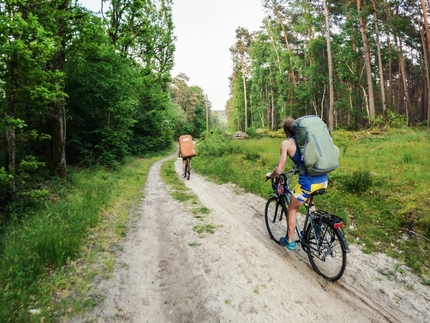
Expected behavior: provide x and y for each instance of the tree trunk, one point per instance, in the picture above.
(278, 60)
(371, 98)
(330, 70)
(244, 93)
(409, 114)
(207, 114)
(390, 75)
(381, 68)
(11, 153)
(57, 122)
(425, 54)
(278, 14)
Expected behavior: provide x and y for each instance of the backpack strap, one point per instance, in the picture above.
(300, 167)
(296, 167)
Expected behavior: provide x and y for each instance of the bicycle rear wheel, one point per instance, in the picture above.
(329, 260)
(276, 219)
(187, 170)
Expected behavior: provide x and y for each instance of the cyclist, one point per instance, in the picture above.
(184, 162)
(306, 184)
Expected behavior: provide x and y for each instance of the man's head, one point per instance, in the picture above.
(288, 126)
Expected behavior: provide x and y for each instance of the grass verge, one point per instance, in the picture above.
(49, 258)
(183, 194)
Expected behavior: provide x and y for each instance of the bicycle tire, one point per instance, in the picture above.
(276, 219)
(187, 170)
(329, 260)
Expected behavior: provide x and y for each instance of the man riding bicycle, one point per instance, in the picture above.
(306, 184)
(184, 162)
(186, 151)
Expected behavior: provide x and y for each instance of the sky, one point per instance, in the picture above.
(205, 30)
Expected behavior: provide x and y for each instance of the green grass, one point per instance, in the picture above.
(183, 194)
(49, 258)
(381, 188)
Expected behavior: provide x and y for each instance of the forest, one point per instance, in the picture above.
(80, 88)
(83, 89)
(355, 63)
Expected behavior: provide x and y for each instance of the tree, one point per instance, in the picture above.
(426, 52)
(330, 69)
(381, 68)
(363, 28)
(30, 85)
(193, 105)
(240, 53)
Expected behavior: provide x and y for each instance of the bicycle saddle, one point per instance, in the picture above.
(319, 192)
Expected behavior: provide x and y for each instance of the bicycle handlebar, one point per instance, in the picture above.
(282, 180)
(283, 174)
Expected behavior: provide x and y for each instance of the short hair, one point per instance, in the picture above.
(288, 125)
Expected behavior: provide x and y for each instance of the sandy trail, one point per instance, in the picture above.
(167, 273)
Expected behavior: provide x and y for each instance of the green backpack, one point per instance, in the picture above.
(319, 154)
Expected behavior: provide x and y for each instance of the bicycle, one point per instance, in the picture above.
(187, 169)
(322, 236)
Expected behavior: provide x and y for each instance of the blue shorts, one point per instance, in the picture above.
(307, 185)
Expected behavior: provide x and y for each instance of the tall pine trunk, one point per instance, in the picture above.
(330, 70)
(371, 98)
(426, 52)
(244, 93)
(381, 67)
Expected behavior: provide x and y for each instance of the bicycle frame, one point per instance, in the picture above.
(311, 218)
(320, 233)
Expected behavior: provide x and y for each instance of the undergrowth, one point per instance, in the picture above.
(49, 258)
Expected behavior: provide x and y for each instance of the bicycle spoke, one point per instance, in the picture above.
(276, 220)
(325, 252)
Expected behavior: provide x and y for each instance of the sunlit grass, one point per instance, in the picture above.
(380, 189)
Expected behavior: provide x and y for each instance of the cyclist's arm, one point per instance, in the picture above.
(281, 162)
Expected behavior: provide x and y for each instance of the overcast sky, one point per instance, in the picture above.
(205, 30)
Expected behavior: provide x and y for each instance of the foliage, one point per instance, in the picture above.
(190, 103)
(251, 131)
(80, 89)
(283, 68)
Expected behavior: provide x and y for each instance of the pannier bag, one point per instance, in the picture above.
(186, 146)
(319, 154)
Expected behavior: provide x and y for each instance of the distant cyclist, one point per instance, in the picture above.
(305, 186)
(187, 152)
(184, 162)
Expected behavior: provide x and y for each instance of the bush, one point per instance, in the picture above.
(251, 131)
(358, 181)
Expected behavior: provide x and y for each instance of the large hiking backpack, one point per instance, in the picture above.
(319, 154)
(186, 146)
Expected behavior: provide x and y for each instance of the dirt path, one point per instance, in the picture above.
(169, 274)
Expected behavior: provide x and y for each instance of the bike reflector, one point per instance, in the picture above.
(338, 225)
(280, 188)
(331, 219)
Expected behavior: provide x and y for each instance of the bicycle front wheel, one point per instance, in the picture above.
(325, 251)
(276, 219)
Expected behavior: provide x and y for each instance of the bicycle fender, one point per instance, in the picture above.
(343, 241)
(332, 220)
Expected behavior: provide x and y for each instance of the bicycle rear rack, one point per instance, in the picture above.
(333, 221)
